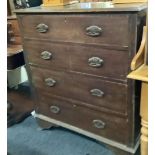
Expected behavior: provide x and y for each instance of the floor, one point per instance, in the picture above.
(26, 138)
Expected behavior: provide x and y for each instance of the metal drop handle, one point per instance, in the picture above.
(50, 82)
(97, 92)
(55, 109)
(42, 28)
(94, 31)
(46, 55)
(95, 62)
(99, 124)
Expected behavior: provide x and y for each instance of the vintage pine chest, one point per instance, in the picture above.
(78, 57)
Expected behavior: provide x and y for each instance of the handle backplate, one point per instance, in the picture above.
(97, 92)
(55, 109)
(99, 124)
(50, 82)
(42, 28)
(46, 55)
(93, 31)
(95, 62)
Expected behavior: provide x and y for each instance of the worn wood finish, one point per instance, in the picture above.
(76, 58)
(74, 88)
(83, 118)
(58, 53)
(117, 148)
(72, 28)
(110, 68)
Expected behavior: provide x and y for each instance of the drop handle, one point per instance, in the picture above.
(46, 55)
(42, 28)
(95, 62)
(50, 82)
(99, 124)
(96, 92)
(94, 31)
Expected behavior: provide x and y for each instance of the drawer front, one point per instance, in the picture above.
(16, 40)
(13, 23)
(98, 61)
(111, 29)
(91, 60)
(84, 118)
(95, 92)
(46, 54)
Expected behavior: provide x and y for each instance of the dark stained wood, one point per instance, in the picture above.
(75, 58)
(59, 58)
(75, 86)
(136, 23)
(65, 81)
(83, 118)
(72, 28)
(111, 68)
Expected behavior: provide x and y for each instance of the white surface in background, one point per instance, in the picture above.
(16, 76)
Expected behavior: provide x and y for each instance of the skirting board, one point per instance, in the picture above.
(89, 134)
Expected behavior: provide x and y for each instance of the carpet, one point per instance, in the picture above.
(26, 138)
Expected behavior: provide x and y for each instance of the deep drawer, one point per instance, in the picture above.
(101, 124)
(108, 29)
(93, 91)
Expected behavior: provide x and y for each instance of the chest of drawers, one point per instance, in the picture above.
(78, 59)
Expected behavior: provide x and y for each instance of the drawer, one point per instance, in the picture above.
(79, 58)
(108, 29)
(15, 40)
(108, 126)
(98, 61)
(14, 26)
(47, 54)
(92, 91)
